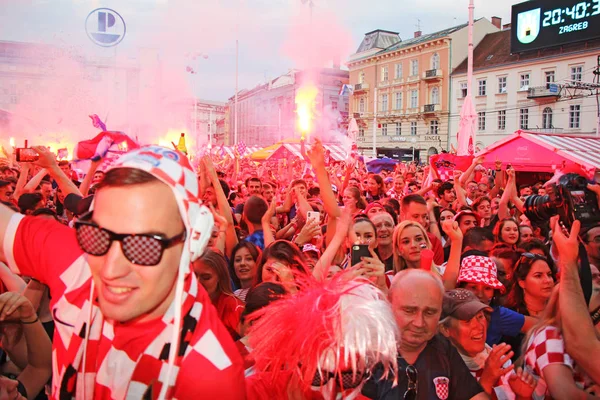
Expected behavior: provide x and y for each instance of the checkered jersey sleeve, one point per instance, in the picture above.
(39, 248)
(547, 347)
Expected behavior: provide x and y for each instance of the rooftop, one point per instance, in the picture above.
(494, 51)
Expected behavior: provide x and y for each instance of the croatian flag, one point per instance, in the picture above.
(445, 164)
(241, 149)
(97, 122)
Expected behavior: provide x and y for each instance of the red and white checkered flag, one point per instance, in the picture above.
(241, 148)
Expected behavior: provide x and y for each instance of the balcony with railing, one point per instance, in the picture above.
(550, 90)
(432, 74)
(431, 108)
(361, 87)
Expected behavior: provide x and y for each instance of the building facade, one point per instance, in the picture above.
(539, 90)
(266, 113)
(204, 117)
(401, 98)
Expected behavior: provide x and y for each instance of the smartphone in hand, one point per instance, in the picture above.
(358, 252)
(26, 155)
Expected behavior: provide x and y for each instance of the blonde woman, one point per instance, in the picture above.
(545, 355)
(410, 240)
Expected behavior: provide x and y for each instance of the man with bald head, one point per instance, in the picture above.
(428, 365)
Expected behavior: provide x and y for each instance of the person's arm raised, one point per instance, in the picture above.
(48, 161)
(503, 211)
(22, 181)
(6, 215)
(469, 172)
(266, 223)
(453, 265)
(89, 177)
(322, 267)
(579, 333)
(317, 160)
(498, 180)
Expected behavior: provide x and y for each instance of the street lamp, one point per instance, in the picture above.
(196, 56)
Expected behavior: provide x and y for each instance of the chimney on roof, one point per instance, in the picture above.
(497, 22)
(418, 34)
(505, 27)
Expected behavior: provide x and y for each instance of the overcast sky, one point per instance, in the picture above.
(273, 34)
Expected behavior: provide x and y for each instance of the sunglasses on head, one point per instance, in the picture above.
(345, 379)
(532, 257)
(413, 380)
(141, 249)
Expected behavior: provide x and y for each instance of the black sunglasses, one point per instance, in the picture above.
(413, 381)
(345, 379)
(140, 249)
(530, 257)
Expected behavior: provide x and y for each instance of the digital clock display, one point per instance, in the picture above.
(538, 24)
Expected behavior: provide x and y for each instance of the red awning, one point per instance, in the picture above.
(541, 152)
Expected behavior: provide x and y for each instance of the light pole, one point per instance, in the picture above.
(197, 56)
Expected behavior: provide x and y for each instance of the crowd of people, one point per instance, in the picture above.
(303, 279)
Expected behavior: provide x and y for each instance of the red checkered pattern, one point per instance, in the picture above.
(142, 250)
(547, 347)
(445, 164)
(112, 360)
(442, 387)
(478, 269)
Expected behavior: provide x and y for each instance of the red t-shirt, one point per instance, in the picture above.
(229, 309)
(48, 251)
(437, 248)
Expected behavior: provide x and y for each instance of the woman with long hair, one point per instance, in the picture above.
(242, 267)
(441, 215)
(410, 241)
(507, 231)
(213, 275)
(353, 201)
(544, 354)
(280, 262)
(375, 188)
(534, 281)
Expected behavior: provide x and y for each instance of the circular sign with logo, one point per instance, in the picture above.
(105, 27)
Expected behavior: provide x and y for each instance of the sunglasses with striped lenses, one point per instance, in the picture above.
(140, 249)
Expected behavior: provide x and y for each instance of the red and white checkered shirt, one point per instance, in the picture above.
(547, 347)
(211, 368)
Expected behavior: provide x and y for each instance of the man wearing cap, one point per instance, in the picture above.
(131, 319)
(467, 219)
(429, 367)
(464, 322)
(479, 275)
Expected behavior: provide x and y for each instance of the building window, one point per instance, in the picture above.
(398, 72)
(414, 98)
(434, 127)
(384, 74)
(413, 129)
(524, 118)
(574, 116)
(361, 132)
(482, 84)
(550, 76)
(577, 73)
(501, 120)
(398, 129)
(547, 118)
(481, 121)
(524, 82)
(334, 105)
(384, 102)
(384, 129)
(435, 61)
(346, 107)
(361, 77)
(398, 101)
(502, 84)
(361, 105)
(435, 96)
(414, 67)
(463, 90)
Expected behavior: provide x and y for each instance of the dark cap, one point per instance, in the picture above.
(78, 205)
(4, 183)
(462, 304)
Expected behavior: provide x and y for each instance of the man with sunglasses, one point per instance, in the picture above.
(429, 367)
(131, 319)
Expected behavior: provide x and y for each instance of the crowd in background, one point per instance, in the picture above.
(484, 305)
